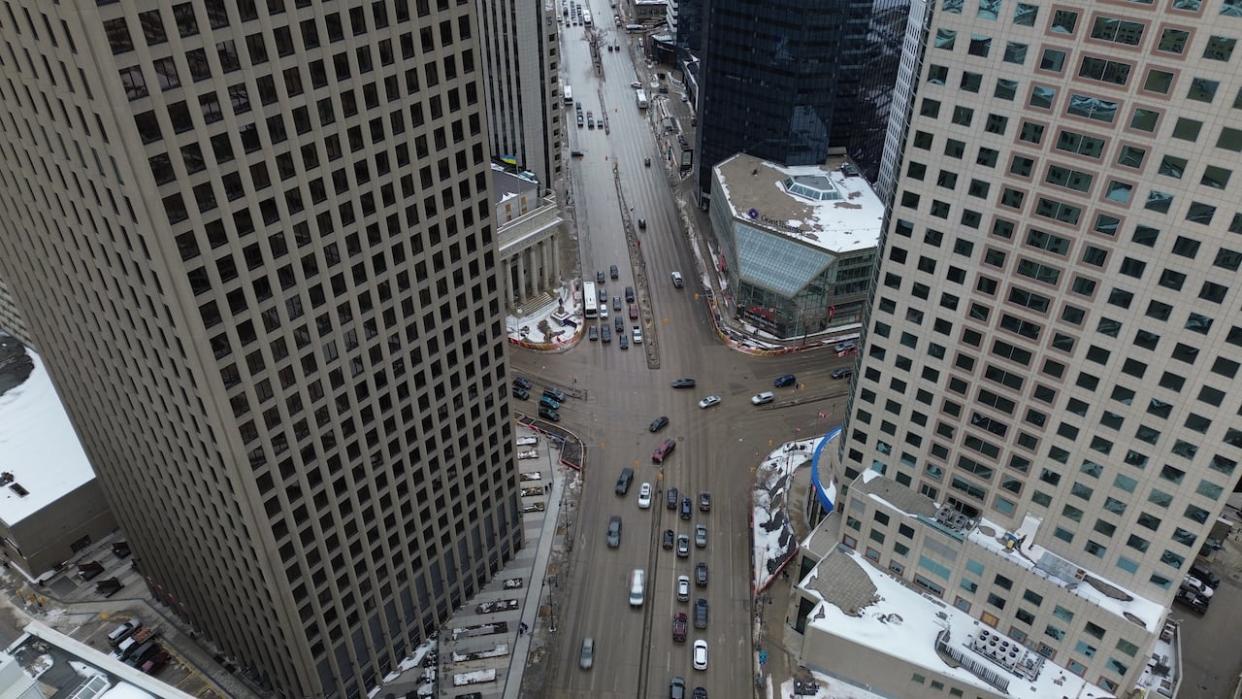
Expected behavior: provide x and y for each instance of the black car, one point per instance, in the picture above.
(671, 497)
(614, 532)
(520, 393)
(1205, 575)
(618, 324)
(613, 271)
(642, 224)
(606, 335)
(599, 277)
(658, 424)
(700, 574)
(843, 373)
(684, 383)
(705, 501)
(522, 382)
(686, 510)
(624, 480)
(549, 414)
(593, 333)
(558, 396)
(699, 693)
(700, 613)
(629, 294)
(1192, 599)
(666, 540)
(785, 380)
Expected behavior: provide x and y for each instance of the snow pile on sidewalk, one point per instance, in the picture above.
(527, 327)
(424, 658)
(774, 540)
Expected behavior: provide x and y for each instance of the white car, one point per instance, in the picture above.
(700, 654)
(644, 496)
(710, 401)
(683, 588)
(636, 84)
(603, 311)
(1193, 583)
(761, 398)
(638, 335)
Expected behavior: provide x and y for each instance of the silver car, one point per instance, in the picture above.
(586, 657)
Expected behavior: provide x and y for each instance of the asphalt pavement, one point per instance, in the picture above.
(717, 448)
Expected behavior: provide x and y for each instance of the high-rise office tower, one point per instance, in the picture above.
(253, 240)
(870, 59)
(768, 85)
(1054, 333)
(11, 320)
(518, 47)
(685, 22)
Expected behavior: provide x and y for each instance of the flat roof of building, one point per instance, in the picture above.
(507, 184)
(38, 445)
(819, 205)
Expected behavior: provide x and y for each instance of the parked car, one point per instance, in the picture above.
(671, 498)
(90, 570)
(709, 401)
(683, 546)
(700, 654)
(762, 398)
(586, 656)
(549, 414)
(683, 383)
(700, 574)
(842, 373)
(614, 532)
(700, 536)
(155, 663)
(683, 588)
(522, 382)
(613, 271)
(593, 332)
(1193, 583)
(705, 501)
(644, 496)
(554, 394)
(658, 423)
(1192, 599)
(108, 587)
(685, 509)
(1202, 572)
(680, 626)
(785, 380)
(700, 613)
(845, 345)
(668, 539)
(549, 403)
(521, 393)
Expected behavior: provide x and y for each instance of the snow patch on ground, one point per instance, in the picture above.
(463, 679)
(828, 688)
(527, 327)
(775, 543)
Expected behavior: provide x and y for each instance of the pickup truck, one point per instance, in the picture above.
(679, 627)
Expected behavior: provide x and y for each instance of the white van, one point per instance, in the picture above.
(638, 580)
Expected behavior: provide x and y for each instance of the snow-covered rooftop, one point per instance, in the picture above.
(899, 621)
(37, 443)
(1084, 583)
(817, 205)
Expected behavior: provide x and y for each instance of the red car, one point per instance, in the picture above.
(679, 627)
(156, 663)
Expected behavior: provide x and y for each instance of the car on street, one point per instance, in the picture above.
(668, 539)
(642, 224)
(699, 693)
(580, 121)
(700, 574)
(842, 373)
(672, 498)
(616, 303)
(762, 398)
(603, 308)
(677, 280)
(683, 588)
(683, 546)
(593, 333)
(785, 380)
(623, 340)
(709, 401)
(618, 324)
(680, 627)
(549, 414)
(700, 536)
(605, 334)
(520, 393)
(700, 613)
(845, 345)
(705, 501)
(614, 532)
(624, 479)
(636, 84)
(677, 688)
(586, 656)
(602, 295)
(683, 383)
(658, 423)
(644, 496)
(633, 311)
(599, 276)
(685, 509)
(613, 271)
(522, 382)
(629, 294)
(638, 335)
(700, 654)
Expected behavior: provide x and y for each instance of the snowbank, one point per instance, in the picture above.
(774, 541)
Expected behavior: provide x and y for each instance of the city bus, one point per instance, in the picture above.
(589, 299)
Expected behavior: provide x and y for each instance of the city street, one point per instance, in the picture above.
(717, 448)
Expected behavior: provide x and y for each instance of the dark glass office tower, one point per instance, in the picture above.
(769, 81)
(871, 53)
(689, 26)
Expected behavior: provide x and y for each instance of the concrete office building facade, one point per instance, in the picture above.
(521, 67)
(255, 243)
(11, 320)
(1051, 339)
